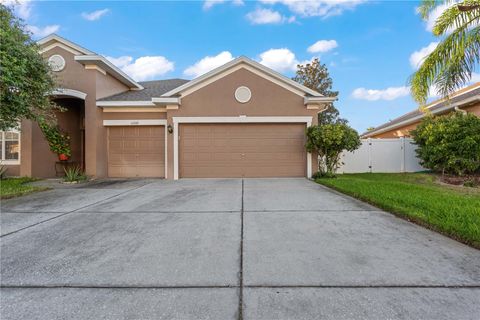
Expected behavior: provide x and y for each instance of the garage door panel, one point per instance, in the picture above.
(150, 171)
(115, 145)
(213, 171)
(136, 151)
(242, 150)
(115, 132)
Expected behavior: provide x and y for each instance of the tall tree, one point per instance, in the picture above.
(315, 76)
(450, 66)
(26, 78)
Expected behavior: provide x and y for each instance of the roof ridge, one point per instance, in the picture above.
(169, 79)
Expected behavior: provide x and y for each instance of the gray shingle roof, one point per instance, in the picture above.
(417, 112)
(151, 89)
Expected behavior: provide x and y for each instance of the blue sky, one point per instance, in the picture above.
(370, 47)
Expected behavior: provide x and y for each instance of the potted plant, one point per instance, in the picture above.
(58, 140)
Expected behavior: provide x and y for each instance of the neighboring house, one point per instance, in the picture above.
(464, 100)
(239, 120)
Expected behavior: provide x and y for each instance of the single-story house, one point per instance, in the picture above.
(464, 100)
(241, 119)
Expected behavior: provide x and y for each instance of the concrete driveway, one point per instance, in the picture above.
(225, 249)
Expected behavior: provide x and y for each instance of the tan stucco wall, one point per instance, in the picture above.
(475, 109)
(134, 115)
(12, 170)
(217, 99)
(108, 85)
(43, 160)
(36, 157)
(405, 130)
(396, 133)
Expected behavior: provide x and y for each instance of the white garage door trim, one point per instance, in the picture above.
(146, 122)
(240, 119)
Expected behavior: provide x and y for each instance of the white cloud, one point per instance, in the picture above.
(207, 4)
(95, 15)
(391, 93)
(39, 32)
(120, 61)
(267, 16)
(208, 63)
(317, 8)
(279, 59)
(417, 57)
(22, 8)
(322, 46)
(143, 68)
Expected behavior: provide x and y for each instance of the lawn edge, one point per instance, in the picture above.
(16, 195)
(404, 216)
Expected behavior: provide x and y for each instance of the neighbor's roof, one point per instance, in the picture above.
(151, 89)
(462, 97)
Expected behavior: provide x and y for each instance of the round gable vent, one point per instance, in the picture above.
(243, 94)
(56, 62)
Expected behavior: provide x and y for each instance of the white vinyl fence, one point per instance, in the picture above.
(382, 155)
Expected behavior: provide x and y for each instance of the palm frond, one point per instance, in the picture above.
(463, 60)
(449, 66)
(453, 17)
(427, 6)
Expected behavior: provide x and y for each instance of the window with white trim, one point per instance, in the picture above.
(10, 147)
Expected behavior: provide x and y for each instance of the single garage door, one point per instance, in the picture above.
(136, 151)
(242, 150)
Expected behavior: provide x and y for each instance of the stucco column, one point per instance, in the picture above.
(26, 148)
(170, 114)
(91, 135)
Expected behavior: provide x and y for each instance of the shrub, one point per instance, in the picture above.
(449, 144)
(329, 140)
(74, 174)
(58, 140)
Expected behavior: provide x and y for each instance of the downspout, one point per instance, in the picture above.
(460, 110)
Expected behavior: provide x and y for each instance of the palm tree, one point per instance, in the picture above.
(450, 66)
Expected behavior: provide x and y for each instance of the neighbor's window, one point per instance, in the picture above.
(10, 145)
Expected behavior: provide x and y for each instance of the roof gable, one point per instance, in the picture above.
(234, 65)
(85, 56)
(54, 40)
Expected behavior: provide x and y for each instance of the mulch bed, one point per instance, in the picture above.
(471, 181)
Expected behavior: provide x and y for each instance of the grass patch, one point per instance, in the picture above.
(451, 210)
(14, 187)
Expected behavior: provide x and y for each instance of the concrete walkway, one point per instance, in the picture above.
(225, 249)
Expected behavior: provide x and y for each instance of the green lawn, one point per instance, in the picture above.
(14, 187)
(453, 211)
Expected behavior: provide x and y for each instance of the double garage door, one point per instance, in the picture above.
(242, 150)
(210, 151)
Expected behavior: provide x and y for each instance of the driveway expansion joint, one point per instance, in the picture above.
(169, 211)
(116, 287)
(240, 295)
(406, 286)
